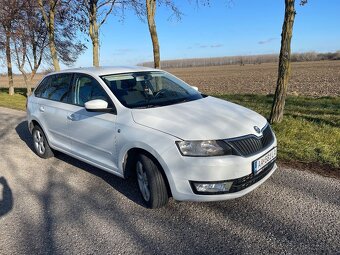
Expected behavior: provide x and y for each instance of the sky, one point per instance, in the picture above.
(225, 28)
(242, 27)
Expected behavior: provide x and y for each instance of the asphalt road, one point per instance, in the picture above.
(64, 206)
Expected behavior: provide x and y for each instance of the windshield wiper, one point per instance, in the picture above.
(183, 100)
(171, 102)
(147, 106)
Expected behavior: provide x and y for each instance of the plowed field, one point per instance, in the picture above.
(320, 78)
(307, 78)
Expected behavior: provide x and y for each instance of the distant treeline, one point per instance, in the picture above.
(242, 60)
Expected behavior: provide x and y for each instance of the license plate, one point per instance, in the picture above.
(261, 163)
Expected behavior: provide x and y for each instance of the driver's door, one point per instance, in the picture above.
(92, 133)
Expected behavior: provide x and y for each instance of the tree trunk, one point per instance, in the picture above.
(30, 82)
(29, 88)
(9, 64)
(95, 44)
(94, 33)
(51, 43)
(54, 54)
(49, 21)
(151, 10)
(276, 115)
(33, 73)
(27, 83)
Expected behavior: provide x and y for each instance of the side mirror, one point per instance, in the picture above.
(97, 105)
(195, 88)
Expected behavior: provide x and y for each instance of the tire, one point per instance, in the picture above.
(40, 143)
(151, 183)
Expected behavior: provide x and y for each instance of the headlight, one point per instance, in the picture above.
(204, 148)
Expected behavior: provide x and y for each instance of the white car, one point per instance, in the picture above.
(146, 122)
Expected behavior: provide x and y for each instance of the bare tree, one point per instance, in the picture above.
(30, 42)
(60, 19)
(38, 41)
(9, 10)
(151, 12)
(20, 47)
(96, 12)
(276, 114)
(49, 11)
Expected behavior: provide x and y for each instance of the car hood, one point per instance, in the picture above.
(204, 119)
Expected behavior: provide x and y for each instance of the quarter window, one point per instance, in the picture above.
(58, 88)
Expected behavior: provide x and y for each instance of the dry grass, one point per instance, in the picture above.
(321, 78)
(19, 81)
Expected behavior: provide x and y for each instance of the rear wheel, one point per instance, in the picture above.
(41, 146)
(151, 183)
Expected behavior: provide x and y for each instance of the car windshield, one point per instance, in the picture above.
(149, 89)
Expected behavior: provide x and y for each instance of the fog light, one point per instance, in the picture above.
(211, 187)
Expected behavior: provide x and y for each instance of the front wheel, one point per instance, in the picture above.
(41, 146)
(151, 182)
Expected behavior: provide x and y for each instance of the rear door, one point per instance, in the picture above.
(92, 134)
(53, 109)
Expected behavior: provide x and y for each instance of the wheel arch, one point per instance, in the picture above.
(35, 122)
(130, 160)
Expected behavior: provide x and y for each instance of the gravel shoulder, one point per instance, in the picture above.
(64, 206)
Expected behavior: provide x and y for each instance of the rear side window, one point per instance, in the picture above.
(58, 88)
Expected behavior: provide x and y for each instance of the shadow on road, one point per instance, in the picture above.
(24, 134)
(127, 187)
(281, 216)
(6, 204)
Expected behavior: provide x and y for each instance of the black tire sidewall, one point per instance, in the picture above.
(48, 151)
(157, 187)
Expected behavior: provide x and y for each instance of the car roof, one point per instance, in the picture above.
(104, 70)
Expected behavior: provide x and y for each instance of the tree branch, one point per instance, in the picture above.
(107, 13)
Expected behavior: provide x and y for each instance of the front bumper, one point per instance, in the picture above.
(182, 172)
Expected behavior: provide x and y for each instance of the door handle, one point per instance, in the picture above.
(70, 117)
(41, 108)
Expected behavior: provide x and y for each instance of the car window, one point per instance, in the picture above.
(42, 86)
(58, 87)
(149, 89)
(87, 88)
(159, 83)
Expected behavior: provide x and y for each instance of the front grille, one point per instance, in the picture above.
(250, 144)
(246, 181)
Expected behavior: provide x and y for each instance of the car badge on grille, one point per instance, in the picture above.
(257, 129)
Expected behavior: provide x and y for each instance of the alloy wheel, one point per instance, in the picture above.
(39, 143)
(143, 181)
